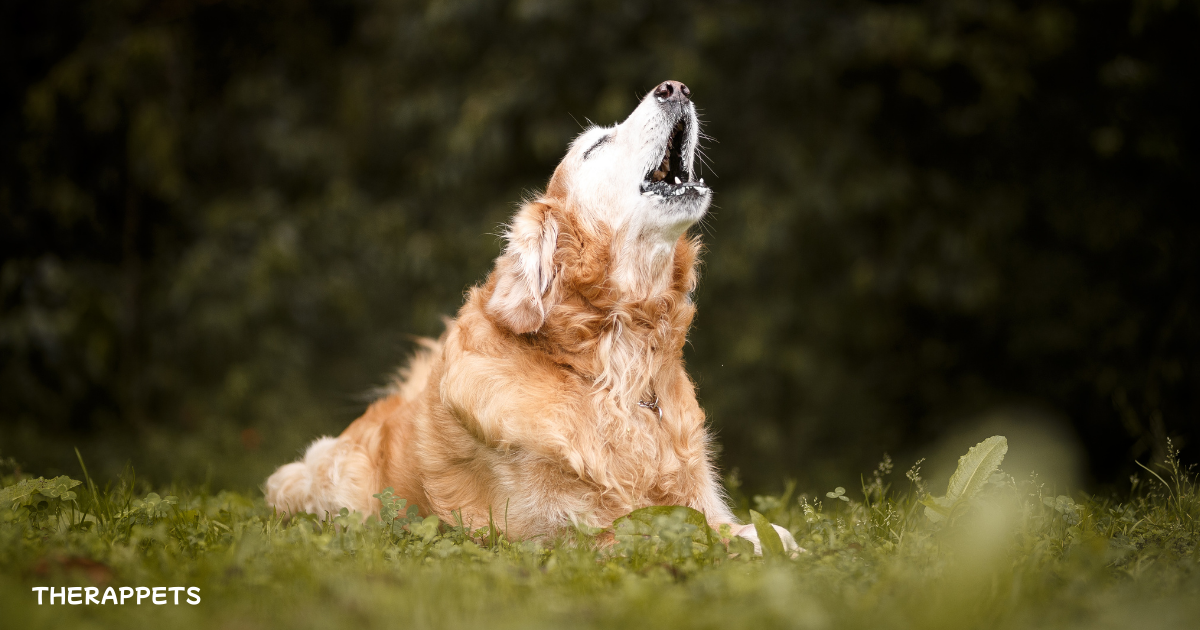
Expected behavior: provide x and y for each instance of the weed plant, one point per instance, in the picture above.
(1002, 553)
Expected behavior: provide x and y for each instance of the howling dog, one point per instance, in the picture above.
(558, 396)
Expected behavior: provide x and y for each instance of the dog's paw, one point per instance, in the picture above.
(749, 533)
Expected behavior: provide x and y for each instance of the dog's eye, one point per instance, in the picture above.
(595, 146)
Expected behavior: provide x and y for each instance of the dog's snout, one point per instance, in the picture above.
(672, 91)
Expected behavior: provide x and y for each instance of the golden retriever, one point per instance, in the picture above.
(558, 395)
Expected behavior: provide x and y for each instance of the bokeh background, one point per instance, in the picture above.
(221, 223)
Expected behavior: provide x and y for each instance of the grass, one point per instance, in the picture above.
(1000, 554)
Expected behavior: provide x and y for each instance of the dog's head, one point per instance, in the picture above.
(638, 177)
(635, 183)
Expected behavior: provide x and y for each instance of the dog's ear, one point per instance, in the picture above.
(525, 270)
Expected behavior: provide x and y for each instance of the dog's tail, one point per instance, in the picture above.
(412, 377)
(333, 474)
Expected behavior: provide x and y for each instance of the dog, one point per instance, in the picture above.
(558, 396)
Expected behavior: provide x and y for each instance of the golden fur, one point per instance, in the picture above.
(529, 405)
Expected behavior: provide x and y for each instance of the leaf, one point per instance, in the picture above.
(676, 531)
(645, 521)
(23, 492)
(741, 547)
(390, 507)
(976, 467)
(641, 521)
(772, 546)
(1061, 504)
(936, 508)
(974, 470)
(426, 529)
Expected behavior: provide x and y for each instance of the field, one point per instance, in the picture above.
(993, 551)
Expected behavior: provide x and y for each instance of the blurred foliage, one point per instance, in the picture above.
(1014, 556)
(220, 222)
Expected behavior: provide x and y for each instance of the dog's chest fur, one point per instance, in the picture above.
(556, 416)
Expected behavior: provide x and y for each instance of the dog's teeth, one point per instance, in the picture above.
(701, 180)
(647, 194)
(677, 182)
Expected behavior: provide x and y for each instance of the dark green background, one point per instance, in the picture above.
(220, 222)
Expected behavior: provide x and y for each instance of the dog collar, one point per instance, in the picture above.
(652, 406)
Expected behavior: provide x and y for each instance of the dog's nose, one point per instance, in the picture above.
(672, 91)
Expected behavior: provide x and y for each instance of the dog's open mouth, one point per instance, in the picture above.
(672, 176)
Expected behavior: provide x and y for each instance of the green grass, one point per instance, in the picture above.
(1002, 554)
